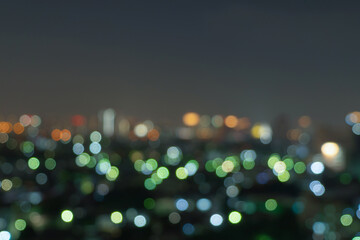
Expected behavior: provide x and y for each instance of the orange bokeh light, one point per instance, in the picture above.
(231, 121)
(56, 134)
(65, 135)
(153, 135)
(18, 128)
(304, 121)
(243, 123)
(5, 127)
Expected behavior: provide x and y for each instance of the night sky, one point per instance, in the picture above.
(159, 59)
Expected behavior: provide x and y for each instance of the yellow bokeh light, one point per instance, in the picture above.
(227, 166)
(284, 177)
(67, 216)
(256, 131)
(181, 173)
(6, 185)
(280, 167)
(330, 149)
(191, 119)
(116, 217)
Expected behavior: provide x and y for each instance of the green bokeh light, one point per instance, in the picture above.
(82, 160)
(209, 166)
(27, 147)
(284, 177)
(300, 167)
(33, 163)
(50, 164)
(156, 178)
(274, 158)
(151, 164)
(149, 184)
(270, 204)
(20, 224)
(220, 172)
(235, 217)
(112, 174)
(346, 220)
(149, 203)
(163, 172)
(138, 165)
(289, 163)
(248, 164)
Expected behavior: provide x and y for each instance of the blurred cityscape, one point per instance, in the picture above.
(109, 176)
